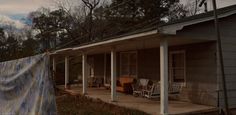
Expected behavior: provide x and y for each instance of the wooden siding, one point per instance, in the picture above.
(201, 82)
(228, 35)
(149, 64)
(228, 27)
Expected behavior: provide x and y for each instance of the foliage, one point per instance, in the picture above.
(98, 22)
(12, 45)
(89, 21)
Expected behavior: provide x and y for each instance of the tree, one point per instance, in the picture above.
(50, 26)
(177, 11)
(30, 46)
(124, 16)
(2, 45)
(91, 5)
(42, 23)
(93, 20)
(12, 47)
(192, 7)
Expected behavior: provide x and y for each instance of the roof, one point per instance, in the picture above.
(173, 26)
(169, 28)
(203, 15)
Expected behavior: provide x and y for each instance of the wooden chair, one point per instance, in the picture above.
(153, 92)
(107, 83)
(143, 83)
(137, 90)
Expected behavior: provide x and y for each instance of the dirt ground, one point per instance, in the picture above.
(80, 105)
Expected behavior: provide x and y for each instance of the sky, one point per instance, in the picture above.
(220, 3)
(13, 7)
(16, 9)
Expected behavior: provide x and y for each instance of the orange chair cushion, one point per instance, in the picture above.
(124, 80)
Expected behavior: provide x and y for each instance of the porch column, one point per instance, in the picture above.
(54, 66)
(66, 71)
(164, 76)
(113, 75)
(84, 73)
(105, 68)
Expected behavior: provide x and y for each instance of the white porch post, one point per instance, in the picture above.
(54, 64)
(84, 73)
(113, 75)
(66, 71)
(54, 67)
(164, 76)
(105, 68)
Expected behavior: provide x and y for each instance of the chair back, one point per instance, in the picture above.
(143, 82)
(155, 89)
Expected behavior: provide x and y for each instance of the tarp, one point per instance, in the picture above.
(26, 87)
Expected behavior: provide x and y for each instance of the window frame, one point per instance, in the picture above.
(171, 63)
(129, 63)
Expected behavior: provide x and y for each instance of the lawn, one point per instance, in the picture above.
(80, 105)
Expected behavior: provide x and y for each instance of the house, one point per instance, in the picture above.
(181, 51)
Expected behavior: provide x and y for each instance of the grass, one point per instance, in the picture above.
(81, 105)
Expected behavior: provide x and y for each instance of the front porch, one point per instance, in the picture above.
(143, 104)
(156, 60)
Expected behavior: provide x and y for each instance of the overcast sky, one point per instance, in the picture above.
(11, 7)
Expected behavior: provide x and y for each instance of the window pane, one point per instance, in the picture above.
(124, 70)
(133, 70)
(178, 67)
(128, 64)
(124, 64)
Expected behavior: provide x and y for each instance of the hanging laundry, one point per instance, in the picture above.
(26, 87)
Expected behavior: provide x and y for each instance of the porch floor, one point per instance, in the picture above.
(149, 106)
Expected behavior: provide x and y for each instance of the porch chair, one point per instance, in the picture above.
(153, 92)
(137, 90)
(143, 83)
(124, 84)
(107, 83)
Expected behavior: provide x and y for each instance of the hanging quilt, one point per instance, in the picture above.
(26, 87)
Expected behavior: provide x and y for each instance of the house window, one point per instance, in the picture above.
(177, 66)
(128, 64)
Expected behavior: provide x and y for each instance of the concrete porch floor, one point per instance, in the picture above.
(143, 104)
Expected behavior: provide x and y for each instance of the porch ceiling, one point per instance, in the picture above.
(134, 42)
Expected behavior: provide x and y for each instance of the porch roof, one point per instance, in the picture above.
(152, 34)
(173, 26)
